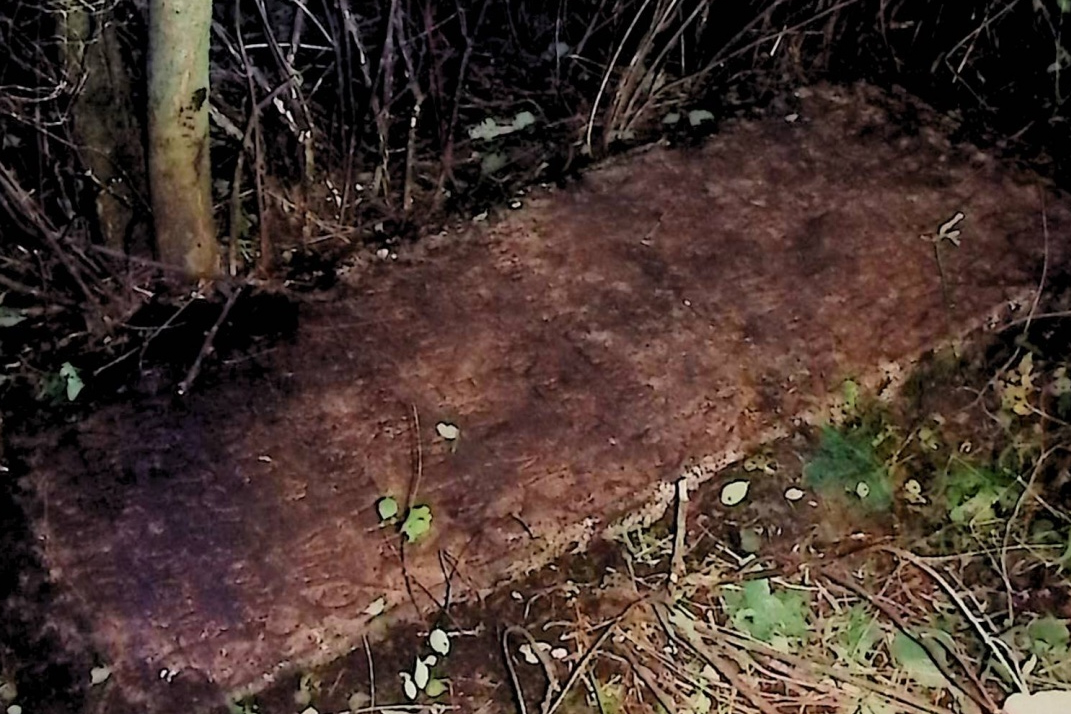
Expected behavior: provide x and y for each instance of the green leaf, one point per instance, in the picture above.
(435, 688)
(9, 317)
(698, 116)
(1065, 559)
(735, 492)
(417, 523)
(387, 508)
(492, 162)
(750, 540)
(768, 616)
(1064, 5)
(851, 395)
(439, 641)
(523, 120)
(857, 636)
(915, 661)
(74, 382)
(99, 675)
(1049, 631)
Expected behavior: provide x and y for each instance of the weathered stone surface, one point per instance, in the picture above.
(677, 305)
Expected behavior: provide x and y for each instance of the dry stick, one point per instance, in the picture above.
(21, 198)
(973, 36)
(296, 94)
(677, 568)
(258, 153)
(144, 346)
(1026, 495)
(640, 73)
(799, 663)
(206, 346)
(371, 672)
(724, 56)
(18, 287)
(991, 642)
(296, 100)
(380, 112)
(448, 150)
(593, 25)
(980, 695)
(630, 110)
(609, 71)
(724, 667)
(1033, 306)
(410, 499)
(582, 664)
(137, 260)
(418, 102)
(511, 668)
(234, 227)
(595, 690)
(649, 678)
(386, 74)
(418, 453)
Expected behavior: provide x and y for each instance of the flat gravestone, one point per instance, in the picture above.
(676, 306)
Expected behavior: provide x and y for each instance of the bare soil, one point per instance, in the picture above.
(675, 309)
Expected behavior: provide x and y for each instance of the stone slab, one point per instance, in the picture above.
(675, 306)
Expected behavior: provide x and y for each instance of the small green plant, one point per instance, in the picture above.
(1060, 386)
(1018, 391)
(308, 689)
(417, 523)
(387, 508)
(853, 635)
(916, 661)
(422, 679)
(847, 464)
(1046, 644)
(9, 316)
(67, 382)
(243, 706)
(774, 616)
(491, 132)
(609, 697)
(975, 496)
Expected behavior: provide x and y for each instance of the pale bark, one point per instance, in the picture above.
(179, 166)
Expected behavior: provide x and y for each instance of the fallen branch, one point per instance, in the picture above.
(206, 346)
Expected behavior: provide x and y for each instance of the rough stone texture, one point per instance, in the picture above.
(677, 305)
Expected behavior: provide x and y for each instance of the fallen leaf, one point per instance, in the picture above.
(794, 494)
(417, 523)
(1052, 702)
(734, 492)
(99, 675)
(439, 641)
(377, 607)
(447, 431)
(387, 508)
(409, 686)
(421, 674)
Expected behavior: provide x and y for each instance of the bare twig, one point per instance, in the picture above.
(993, 644)
(511, 668)
(207, 345)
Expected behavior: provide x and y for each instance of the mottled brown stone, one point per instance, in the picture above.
(676, 305)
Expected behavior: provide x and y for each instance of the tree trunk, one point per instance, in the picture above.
(179, 166)
(103, 119)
